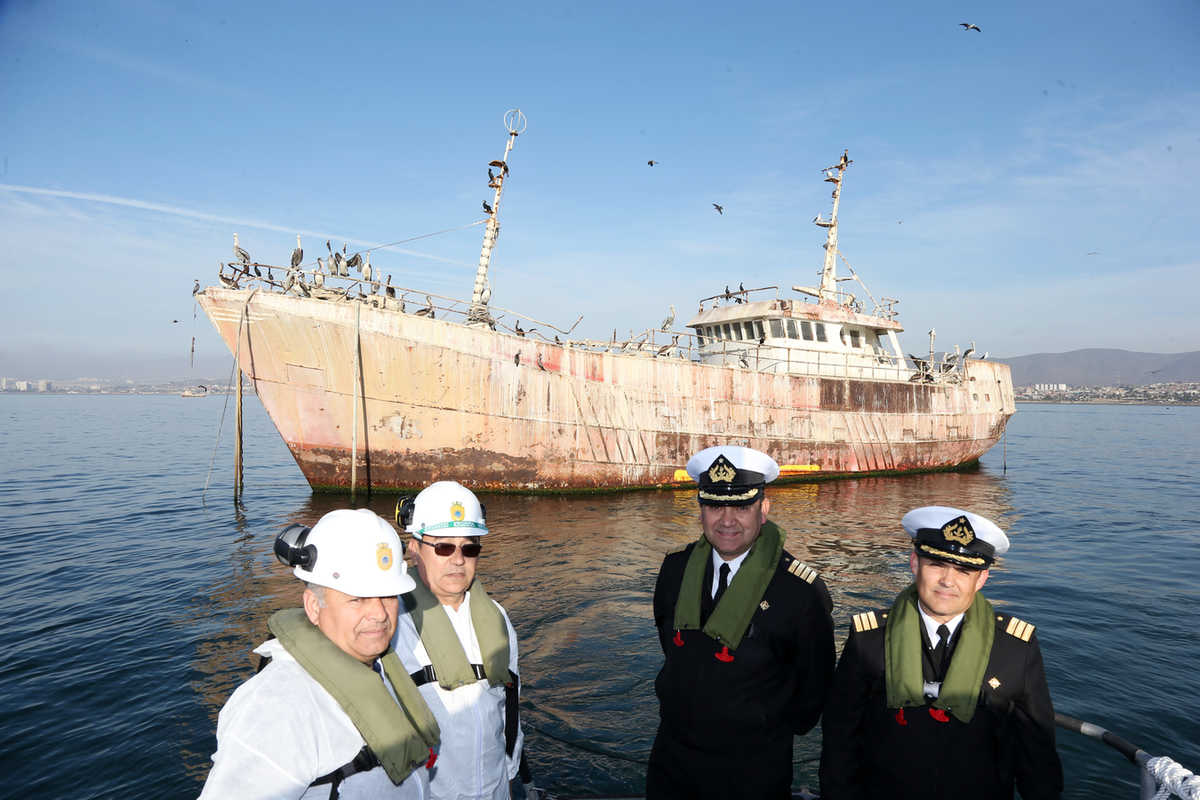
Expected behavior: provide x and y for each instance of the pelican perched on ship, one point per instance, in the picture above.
(298, 253)
(427, 311)
(669, 321)
(662, 351)
(354, 262)
(517, 329)
(390, 291)
(241, 255)
(366, 270)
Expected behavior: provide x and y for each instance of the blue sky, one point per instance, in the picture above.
(1030, 187)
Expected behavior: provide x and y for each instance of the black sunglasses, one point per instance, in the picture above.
(446, 549)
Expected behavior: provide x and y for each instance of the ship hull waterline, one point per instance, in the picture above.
(438, 400)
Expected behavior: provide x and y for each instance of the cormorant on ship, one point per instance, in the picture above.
(727, 293)
(742, 360)
(487, 207)
(491, 177)
(298, 253)
(969, 27)
(539, 362)
(556, 340)
(257, 271)
(742, 288)
(517, 359)
(517, 329)
(270, 277)
(670, 320)
(651, 162)
(196, 288)
(720, 209)
(390, 291)
(428, 310)
(238, 253)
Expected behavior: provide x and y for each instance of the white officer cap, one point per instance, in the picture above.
(956, 536)
(731, 475)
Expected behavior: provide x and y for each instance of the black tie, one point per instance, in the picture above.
(722, 583)
(939, 652)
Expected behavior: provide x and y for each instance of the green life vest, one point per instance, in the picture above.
(730, 619)
(401, 735)
(902, 645)
(446, 651)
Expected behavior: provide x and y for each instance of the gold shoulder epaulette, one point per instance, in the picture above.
(802, 571)
(1018, 628)
(866, 621)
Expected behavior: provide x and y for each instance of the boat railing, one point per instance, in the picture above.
(1161, 777)
(737, 297)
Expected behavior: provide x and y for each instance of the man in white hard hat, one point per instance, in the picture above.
(334, 713)
(747, 639)
(941, 696)
(460, 648)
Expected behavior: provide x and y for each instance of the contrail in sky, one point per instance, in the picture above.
(176, 211)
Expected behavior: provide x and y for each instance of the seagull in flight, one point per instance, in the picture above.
(720, 209)
(651, 162)
(967, 26)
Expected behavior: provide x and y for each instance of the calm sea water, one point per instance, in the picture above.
(132, 598)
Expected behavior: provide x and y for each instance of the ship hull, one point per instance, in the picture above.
(430, 399)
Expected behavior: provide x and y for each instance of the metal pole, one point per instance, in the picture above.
(514, 123)
(354, 431)
(237, 445)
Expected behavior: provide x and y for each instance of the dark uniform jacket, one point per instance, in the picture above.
(730, 712)
(871, 751)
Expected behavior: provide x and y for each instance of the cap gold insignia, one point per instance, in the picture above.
(383, 556)
(994, 683)
(457, 512)
(721, 471)
(764, 605)
(958, 531)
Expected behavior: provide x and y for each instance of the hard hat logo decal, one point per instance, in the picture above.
(959, 531)
(383, 556)
(457, 512)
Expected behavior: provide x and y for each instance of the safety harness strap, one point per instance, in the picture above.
(363, 762)
(428, 674)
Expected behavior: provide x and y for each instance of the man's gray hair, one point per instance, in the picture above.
(318, 592)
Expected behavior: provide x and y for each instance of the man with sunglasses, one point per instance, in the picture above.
(460, 647)
(747, 637)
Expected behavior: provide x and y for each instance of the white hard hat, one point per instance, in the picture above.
(352, 550)
(444, 508)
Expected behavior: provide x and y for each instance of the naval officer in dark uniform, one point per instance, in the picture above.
(747, 637)
(941, 696)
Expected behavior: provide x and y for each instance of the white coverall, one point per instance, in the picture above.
(471, 763)
(280, 730)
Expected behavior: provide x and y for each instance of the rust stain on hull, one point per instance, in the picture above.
(439, 400)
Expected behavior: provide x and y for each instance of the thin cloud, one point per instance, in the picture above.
(189, 213)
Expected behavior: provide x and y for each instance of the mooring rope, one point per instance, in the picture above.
(1173, 779)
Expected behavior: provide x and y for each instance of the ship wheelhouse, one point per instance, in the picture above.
(795, 337)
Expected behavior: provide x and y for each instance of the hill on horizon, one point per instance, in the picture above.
(1104, 367)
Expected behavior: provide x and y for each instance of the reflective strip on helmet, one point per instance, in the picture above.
(452, 524)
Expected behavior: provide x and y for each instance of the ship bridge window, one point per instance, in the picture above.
(855, 338)
(791, 326)
(806, 329)
(728, 335)
(777, 328)
(700, 337)
(737, 331)
(820, 326)
(758, 329)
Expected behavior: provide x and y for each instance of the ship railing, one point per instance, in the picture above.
(741, 295)
(1161, 777)
(818, 363)
(381, 294)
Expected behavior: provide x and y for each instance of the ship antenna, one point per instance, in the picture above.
(828, 289)
(514, 123)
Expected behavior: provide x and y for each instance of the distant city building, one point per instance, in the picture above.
(20, 386)
(1049, 387)
(45, 386)
(3, 384)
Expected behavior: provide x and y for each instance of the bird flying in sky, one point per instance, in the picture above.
(967, 26)
(720, 209)
(651, 162)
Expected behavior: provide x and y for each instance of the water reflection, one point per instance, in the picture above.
(577, 577)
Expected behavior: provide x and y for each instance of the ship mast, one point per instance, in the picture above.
(828, 289)
(514, 123)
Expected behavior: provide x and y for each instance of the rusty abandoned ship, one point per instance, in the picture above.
(380, 387)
